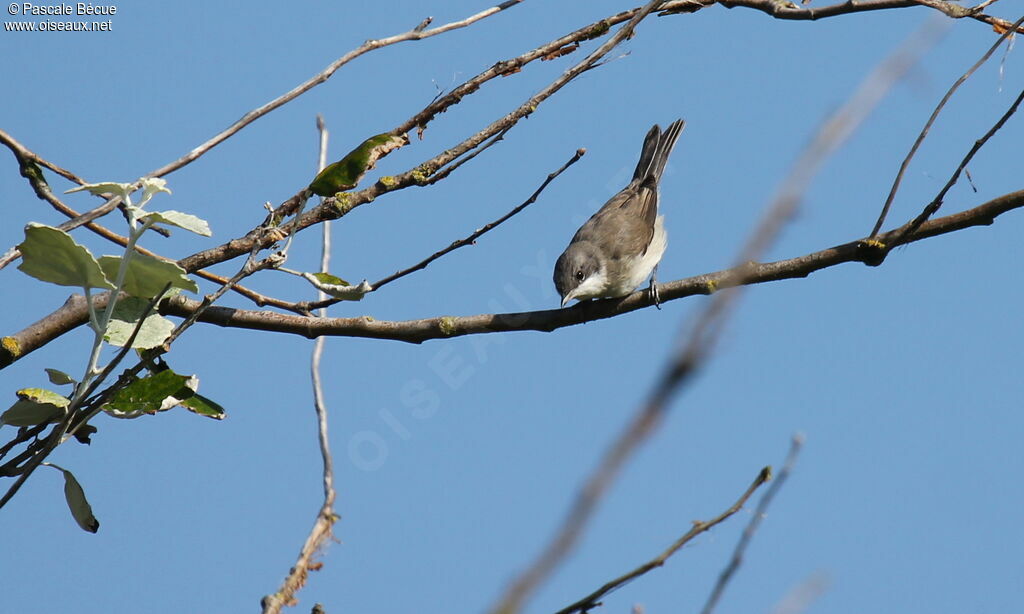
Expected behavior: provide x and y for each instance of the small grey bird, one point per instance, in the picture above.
(622, 244)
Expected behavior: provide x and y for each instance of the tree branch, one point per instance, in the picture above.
(321, 532)
(933, 206)
(70, 315)
(74, 313)
(417, 33)
(592, 600)
(931, 120)
(471, 239)
(755, 522)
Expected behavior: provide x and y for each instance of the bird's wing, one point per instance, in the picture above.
(627, 221)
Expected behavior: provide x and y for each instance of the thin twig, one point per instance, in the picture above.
(416, 33)
(931, 120)
(448, 170)
(912, 226)
(699, 526)
(705, 332)
(471, 239)
(755, 521)
(321, 532)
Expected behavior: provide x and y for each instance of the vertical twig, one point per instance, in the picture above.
(326, 517)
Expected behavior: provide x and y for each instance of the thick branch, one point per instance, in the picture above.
(418, 331)
(74, 313)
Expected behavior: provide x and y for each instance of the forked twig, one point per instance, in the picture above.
(911, 227)
(931, 120)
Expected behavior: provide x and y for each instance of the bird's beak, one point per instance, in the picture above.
(568, 297)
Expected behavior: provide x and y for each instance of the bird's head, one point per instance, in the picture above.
(580, 272)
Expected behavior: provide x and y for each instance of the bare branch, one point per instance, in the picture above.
(755, 521)
(471, 239)
(417, 33)
(790, 11)
(933, 206)
(699, 526)
(931, 120)
(321, 532)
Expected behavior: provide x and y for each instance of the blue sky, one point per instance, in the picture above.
(904, 378)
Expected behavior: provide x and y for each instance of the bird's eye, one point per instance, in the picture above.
(579, 275)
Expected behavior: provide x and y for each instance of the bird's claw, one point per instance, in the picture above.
(653, 291)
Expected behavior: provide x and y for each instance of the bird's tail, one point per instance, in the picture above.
(654, 155)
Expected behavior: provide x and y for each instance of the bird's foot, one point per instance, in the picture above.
(653, 291)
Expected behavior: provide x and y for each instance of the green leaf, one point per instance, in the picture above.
(346, 173)
(77, 503)
(146, 276)
(51, 255)
(59, 377)
(155, 328)
(344, 290)
(151, 394)
(327, 278)
(187, 221)
(204, 407)
(30, 413)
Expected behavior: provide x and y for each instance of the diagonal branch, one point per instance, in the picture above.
(933, 206)
(931, 120)
(593, 600)
(471, 239)
(418, 33)
(755, 521)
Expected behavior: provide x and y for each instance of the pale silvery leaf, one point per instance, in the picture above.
(50, 254)
(106, 187)
(187, 221)
(150, 187)
(154, 331)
